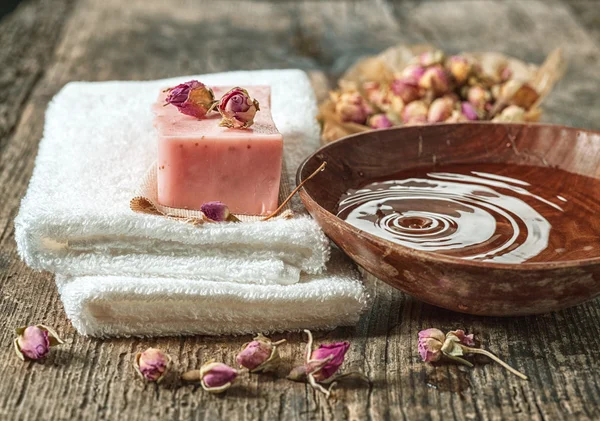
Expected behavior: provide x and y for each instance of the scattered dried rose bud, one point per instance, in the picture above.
(352, 107)
(406, 89)
(518, 93)
(430, 344)
(237, 109)
(412, 72)
(379, 121)
(34, 342)
(260, 355)
(436, 79)
(459, 68)
(213, 377)
(430, 58)
(440, 110)
(468, 111)
(333, 353)
(512, 113)
(433, 344)
(152, 364)
(478, 97)
(191, 98)
(218, 212)
(415, 112)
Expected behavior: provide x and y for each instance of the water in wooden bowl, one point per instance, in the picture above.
(480, 218)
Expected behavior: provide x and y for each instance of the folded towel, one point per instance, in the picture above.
(98, 144)
(127, 306)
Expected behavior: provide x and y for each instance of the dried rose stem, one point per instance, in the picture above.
(493, 357)
(309, 344)
(318, 170)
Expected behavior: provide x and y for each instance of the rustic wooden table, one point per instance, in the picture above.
(44, 44)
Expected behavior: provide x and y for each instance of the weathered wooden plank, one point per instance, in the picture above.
(90, 379)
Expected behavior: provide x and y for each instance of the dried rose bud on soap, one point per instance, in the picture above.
(34, 342)
(191, 98)
(352, 107)
(237, 109)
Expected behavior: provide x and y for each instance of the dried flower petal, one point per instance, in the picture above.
(463, 337)
(237, 109)
(152, 364)
(218, 212)
(192, 98)
(34, 342)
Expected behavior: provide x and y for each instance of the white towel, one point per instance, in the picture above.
(98, 144)
(125, 306)
(120, 273)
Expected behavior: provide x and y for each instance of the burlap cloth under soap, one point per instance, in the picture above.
(146, 201)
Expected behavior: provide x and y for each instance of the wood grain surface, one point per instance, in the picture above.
(45, 44)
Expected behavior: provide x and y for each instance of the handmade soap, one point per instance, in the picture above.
(200, 162)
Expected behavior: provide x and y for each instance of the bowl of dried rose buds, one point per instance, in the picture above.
(416, 85)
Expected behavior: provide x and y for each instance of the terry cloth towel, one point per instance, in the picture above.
(99, 142)
(104, 306)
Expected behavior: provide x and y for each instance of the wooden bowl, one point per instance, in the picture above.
(475, 287)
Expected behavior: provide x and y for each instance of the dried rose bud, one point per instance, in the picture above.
(191, 98)
(218, 212)
(152, 364)
(213, 377)
(430, 344)
(478, 97)
(440, 110)
(406, 89)
(379, 121)
(412, 72)
(376, 95)
(469, 111)
(415, 112)
(465, 339)
(237, 109)
(505, 73)
(436, 79)
(34, 342)
(260, 355)
(511, 113)
(518, 93)
(459, 68)
(335, 353)
(429, 58)
(352, 107)
(456, 117)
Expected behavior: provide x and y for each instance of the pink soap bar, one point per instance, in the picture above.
(200, 162)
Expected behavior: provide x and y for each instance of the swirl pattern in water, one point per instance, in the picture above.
(479, 212)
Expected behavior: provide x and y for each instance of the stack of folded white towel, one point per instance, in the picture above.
(124, 273)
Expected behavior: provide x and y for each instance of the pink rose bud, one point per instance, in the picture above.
(518, 93)
(218, 212)
(415, 112)
(429, 58)
(34, 342)
(192, 98)
(435, 79)
(335, 353)
(376, 95)
(352, 107)
(459, 68)
(406, 89)
(237, 109)
(217, 377)
(463, 337)
(468, 111)
(379, 121)
(478, 97)
(430, 344)
(152, 364)
(260, 355)
(440, 110)
(412, 72)
(511, 114)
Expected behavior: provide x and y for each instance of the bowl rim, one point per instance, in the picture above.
(433, 256)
